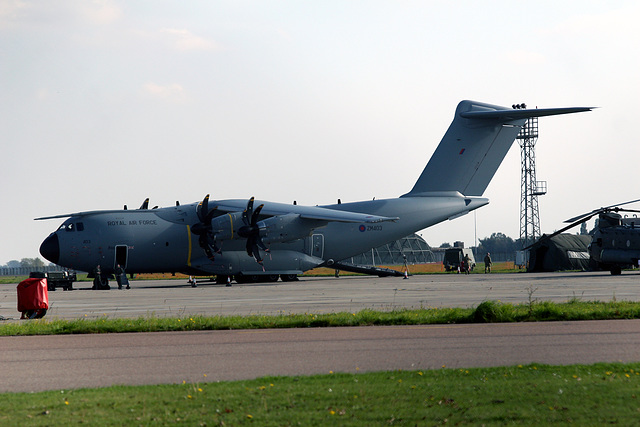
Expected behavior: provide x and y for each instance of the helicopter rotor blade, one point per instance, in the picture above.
(562, 230)
(596, 211)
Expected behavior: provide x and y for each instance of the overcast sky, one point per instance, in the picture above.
(105, 103)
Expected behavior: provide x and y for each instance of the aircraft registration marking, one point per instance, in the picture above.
(364, 228)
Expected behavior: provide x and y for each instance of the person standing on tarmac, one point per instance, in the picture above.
(487, 263)
(97, 279)
(119, 272)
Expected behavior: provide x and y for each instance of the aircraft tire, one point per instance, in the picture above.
(616, 270)
(289, 277)
(273, 277)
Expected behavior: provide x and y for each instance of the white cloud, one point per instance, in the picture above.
(186, 40)
(173, 92)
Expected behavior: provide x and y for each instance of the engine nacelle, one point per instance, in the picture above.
(225, 227)
(285, 228)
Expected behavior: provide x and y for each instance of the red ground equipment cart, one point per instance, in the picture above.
(33, 298)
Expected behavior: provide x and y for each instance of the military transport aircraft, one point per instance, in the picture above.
(240, 238)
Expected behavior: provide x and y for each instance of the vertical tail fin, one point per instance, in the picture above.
(473, 147)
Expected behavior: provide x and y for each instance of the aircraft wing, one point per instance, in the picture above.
(270, 209)
(306, 212)
(343, 216)
(87, 213)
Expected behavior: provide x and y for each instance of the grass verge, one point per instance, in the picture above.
(488, 311)
(524, 395)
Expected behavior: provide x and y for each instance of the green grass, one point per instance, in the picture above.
(520, 395)
(488, 311)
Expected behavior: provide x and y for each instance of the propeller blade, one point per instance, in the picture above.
(207, 239)
(248, 212)
(253, 248)
(261, 244)
(203, 208)
(209, 217)
(211, 242)
(256, 213)
(204, 244)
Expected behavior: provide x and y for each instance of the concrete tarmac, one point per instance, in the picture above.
(64, 361)
(327, 294)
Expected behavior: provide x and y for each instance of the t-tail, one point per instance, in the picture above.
(473, 147)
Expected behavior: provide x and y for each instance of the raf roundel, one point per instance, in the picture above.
(362, 228)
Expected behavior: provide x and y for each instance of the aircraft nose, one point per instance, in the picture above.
(50, 248)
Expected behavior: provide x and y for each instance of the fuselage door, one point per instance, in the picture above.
(121, 256)
(317, 245)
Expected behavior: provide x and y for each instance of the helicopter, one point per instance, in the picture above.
(615, 242)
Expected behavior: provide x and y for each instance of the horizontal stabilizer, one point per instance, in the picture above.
(511, 114)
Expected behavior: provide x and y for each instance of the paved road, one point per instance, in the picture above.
(61, 362)
(325, 295)
(57, 362)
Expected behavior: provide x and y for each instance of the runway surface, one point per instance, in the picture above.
(61, 362)
(326, 295)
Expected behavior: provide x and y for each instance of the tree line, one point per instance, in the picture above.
(496, 243)
(25, 263)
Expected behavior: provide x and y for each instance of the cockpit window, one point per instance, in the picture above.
(72, 226)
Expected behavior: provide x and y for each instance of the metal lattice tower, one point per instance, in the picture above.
(530, 188)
